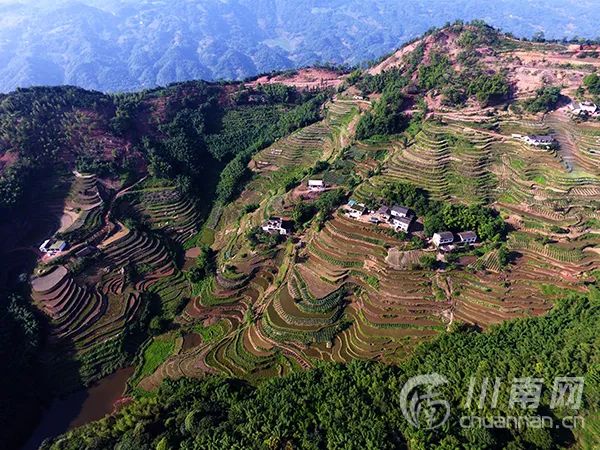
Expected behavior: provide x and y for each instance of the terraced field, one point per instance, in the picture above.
(449, 160)
(165, 208)
(95, 300)
(341, 289)
(349, 289)
(82, 215)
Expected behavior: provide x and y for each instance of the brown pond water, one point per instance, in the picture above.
(80, 407)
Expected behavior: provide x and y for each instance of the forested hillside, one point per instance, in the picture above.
(129, 45)
(67, 156)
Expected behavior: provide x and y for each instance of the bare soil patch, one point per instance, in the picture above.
(309, 78)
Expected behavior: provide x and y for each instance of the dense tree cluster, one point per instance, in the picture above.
(477, 34)
(326, 203)
(387, 115)
(258, 238)
(546, 98)
(34, 126)
(265, 131)
(20, 379)
(204, 265)
(437, 75)
(472, 81)
(443, 216)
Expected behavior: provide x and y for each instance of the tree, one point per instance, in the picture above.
(329, 201)
(546, 99)
(302, 213)
(387, 117)
(205, 264)
(539, 36)
(592, 83)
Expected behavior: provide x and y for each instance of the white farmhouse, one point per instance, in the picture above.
(583, 109)
(400, 211)
(53, 247)
(276, 225)
(540, 141)
(316, 185)
(402, 223)
(355, 210)
(442, 238)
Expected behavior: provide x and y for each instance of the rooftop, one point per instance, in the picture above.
(400, 209)
(406, 220)
(58, 245)
(539, 138)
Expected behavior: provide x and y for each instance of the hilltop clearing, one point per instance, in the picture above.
(306, 78)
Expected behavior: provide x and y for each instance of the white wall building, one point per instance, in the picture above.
(316, 185)
(402, 223)
(583, 109)
(442, 238)
(277, 225)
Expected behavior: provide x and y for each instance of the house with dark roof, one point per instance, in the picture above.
(400, 211)
(583, 108)
(355, 209)
(402, 223)
(540, 141)
(442, 238)
(384, 213)
(467, 237)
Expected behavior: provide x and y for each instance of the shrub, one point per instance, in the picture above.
(428, 262)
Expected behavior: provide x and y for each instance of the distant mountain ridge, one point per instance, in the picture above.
(127, 45)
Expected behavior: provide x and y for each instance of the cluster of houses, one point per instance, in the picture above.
(53, 247)
(546, 141)
(584, 109)
(401, 219)
(398, 216)
(284, 227)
